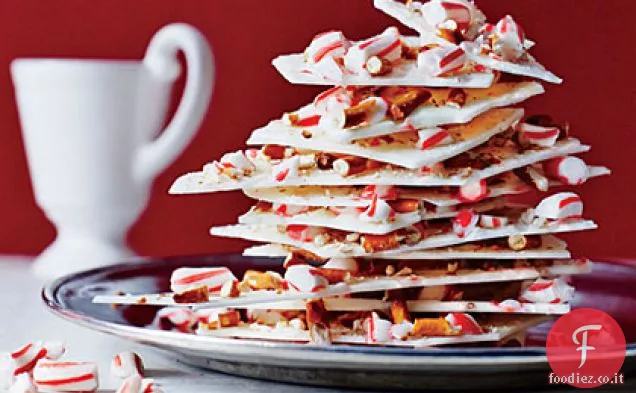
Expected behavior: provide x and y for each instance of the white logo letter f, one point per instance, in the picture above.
(584, 347)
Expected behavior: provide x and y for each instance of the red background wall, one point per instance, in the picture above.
(588, 42)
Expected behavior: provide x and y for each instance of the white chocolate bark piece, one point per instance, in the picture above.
(529, 67)
(202, 182)
(351, 196)
(295, 70)
(289, 334)
(495, 331)
(270, 234)
(415, 16)
(438, 110)
(185, 279)
(472, 134)
(56, 376)
(551, 248)
(316, 196)
(347, 221)
(350, 219)
(371, 284)
(357, 304)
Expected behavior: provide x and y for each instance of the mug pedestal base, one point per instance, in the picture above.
(70, 254)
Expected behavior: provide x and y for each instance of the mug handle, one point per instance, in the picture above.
(161, 60)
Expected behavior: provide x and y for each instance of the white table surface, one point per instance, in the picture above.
(25, 318)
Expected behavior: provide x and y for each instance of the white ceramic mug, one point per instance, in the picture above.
(92, 133)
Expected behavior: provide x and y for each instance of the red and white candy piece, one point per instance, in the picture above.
(188, 278)
(305, 278)
(569, 170)
(510, 305)
(348, 264)
(400, 331)
(125, 364)
(303, 233)
(465, 323)
(54, 349)
(441, 60)
(510, 44)
(287, 169)
(335, 117)
(330, 44)
(179, 318)
(136, 384)
(239, 161)
(439, 13)
(285, 210)
(65, 376)
(388, 193)
(334, 97)
(302, 119)
(537, 135)
(387, 45)
(561, 206)
(23, 383)
(379, 111)
(28, 355)
(473, 191)
(554, 291)
(492, 222)
(148, 386)
(429, 138)
(131, 384)
(378, 211)
(465, 222)
(329, 69)
(378, 330)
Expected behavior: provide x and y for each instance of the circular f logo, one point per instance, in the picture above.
(585, 348)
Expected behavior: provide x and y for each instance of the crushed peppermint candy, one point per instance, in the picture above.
(537, 135)
(554, 291)
(287, 169)
(387, 45)
(433, 137)
(492, 222)
(569, 170)
(511, 39)
(330, 44)
(465, 222)
(473, 191)
(305, 278)
(378, 211)
(378, 330)
(561, 206)
(465, 323)
(441, 60)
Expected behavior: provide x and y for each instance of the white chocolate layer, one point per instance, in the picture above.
(200, 182)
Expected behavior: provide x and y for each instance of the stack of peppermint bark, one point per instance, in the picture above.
(387, 195)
